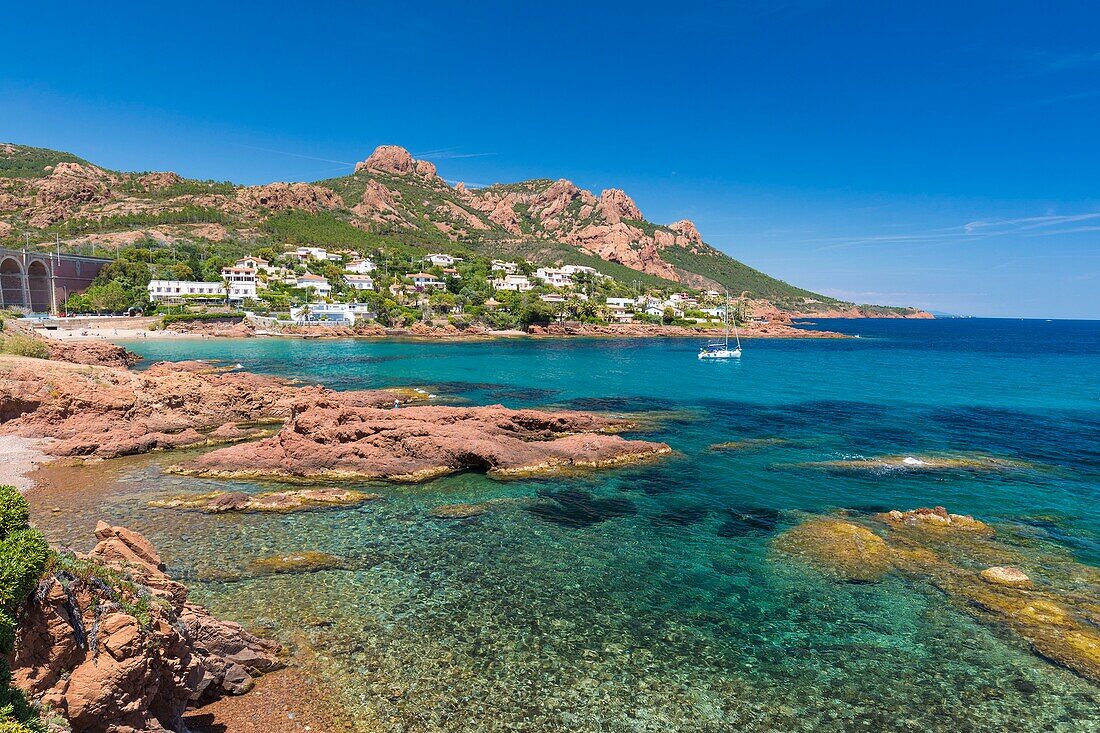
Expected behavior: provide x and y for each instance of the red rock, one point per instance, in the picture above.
(284, 196)
(336, 441)
(83, 649)
(105, 412)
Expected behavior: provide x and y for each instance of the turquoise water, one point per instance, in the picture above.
(647, 599)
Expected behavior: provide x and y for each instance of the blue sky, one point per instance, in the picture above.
(940, 154)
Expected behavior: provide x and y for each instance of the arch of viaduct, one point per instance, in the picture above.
(39, 282)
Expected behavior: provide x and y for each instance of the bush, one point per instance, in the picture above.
(14, 512)
(20, 345)
(23, 558)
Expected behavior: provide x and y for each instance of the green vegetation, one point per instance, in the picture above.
(736, 276)
(22, 161)
(23, 558)
(19, 345)
(322, 229)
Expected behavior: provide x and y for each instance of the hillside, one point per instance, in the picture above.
(390, 201)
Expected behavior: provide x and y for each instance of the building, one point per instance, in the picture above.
(509, 268)
(442, 260)
(314, 282)
(513, 282)
(620, 315)
(256, 263)
(552, 298)
(240, 283)
(359, 282)
(339, 314)
(361, 267)
(621, 303)
(426, 280)
(572, 270)
(304, 254)
(451, 272)
(553, 277)
(177, 291)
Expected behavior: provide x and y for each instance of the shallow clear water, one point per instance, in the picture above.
(646, 599)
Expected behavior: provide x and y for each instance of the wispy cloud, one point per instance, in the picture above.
(1067, 98)
(978, 229)
(299, 155)
(1047, 61)
(447, 154)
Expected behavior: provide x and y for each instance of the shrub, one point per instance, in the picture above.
(20, 345)
(14, 512)
(24, 555)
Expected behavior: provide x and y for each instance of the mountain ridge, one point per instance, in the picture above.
(390, 196)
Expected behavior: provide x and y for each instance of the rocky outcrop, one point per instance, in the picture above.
(285, 196)
(333, 441)
(615, 205)
(92, 352)
(67, 188)
(395, 160)
(158, 182)
(111, 643)
(216, 329)
(104, 412)
(377, 203)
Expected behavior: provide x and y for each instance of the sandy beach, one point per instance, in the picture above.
(18, 458)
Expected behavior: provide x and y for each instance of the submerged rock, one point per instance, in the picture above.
(577, 508)
(218, 502)
(922, 463)
(977, 571)
(748, 520)
(458, 511)
(999, 575)
(748, 444)
(834, 546)
(298, 562)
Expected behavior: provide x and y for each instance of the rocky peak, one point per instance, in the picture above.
(686, 228)
(616, 206)
(398, 161)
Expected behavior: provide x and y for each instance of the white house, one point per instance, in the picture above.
(360, 282)
(361, 267)
(329, 313)
(552, 298)
(315, 282)
(305, 253)
(553, 277)
(512, 282)
(241, 283)
(578, 269)
(179, 290)
(505, 267)
(620, 303)
(442, 260)
(256, 263)
(426, 280)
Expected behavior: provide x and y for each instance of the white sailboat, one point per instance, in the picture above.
(722, 350)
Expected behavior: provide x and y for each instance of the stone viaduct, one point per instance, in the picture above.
(40, 282)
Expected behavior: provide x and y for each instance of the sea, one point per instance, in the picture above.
(651, 598)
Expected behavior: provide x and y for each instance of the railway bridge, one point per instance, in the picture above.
(40, 282)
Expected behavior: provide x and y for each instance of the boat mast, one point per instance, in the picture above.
(726, 314)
